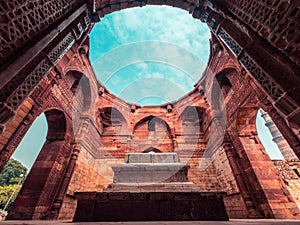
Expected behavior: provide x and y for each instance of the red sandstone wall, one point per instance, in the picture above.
(104, 144)
(234, 202)
(290, 173)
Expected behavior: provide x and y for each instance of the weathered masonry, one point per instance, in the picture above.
(254, 63)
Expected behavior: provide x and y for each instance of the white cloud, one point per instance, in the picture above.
(159, 23)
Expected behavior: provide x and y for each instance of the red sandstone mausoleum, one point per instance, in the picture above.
(209, 133)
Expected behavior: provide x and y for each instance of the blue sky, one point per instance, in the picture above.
(150, 42)
(144, 34)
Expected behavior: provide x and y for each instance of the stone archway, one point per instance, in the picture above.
(81, 89)
(42, 185)
(250, 46)
(257, 169)
(229, 21)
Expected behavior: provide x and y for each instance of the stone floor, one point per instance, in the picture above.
(231, 222)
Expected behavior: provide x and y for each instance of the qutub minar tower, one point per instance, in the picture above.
(283, 145)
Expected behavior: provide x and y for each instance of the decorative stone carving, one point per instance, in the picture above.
(272, 89)
(5, 112)
(101, 91)
(228, 40)
(133, 108)
(23, 83)
(169, 108)
(25, 19)
(276, 21)
(62, 47)
(33, 79)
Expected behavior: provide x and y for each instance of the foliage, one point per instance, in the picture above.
(6, 192)
(11, 173)
(11, 182)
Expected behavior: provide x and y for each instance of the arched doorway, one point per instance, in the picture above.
(42, 184)
(258, 170)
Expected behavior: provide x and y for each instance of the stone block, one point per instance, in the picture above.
(161, 196)
(164, 157)
(149, 172)
(151, 158)
(139, 196)
(154, 207)
(138, 158)
(102, 198)
(85, 206)
(120, 196)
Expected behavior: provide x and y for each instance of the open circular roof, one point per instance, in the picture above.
(149, 55)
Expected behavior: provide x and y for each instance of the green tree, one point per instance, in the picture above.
(11, 173)
(6, 192)
(11, 182)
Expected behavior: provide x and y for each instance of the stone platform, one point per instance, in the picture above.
(159, 206)
(150, 168)
(150, 187)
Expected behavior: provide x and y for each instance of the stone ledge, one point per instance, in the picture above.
(153, 187)
(151, 158)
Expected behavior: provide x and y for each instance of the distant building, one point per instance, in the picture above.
(280, 141)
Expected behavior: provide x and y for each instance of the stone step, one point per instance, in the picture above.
(152, 187)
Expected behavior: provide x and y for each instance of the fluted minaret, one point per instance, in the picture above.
(280, 141)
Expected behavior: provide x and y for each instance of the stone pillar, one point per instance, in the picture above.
(280, 122)
(56, 206)
(40, 189)
(241, 180)
(280, 141)
(269, 193)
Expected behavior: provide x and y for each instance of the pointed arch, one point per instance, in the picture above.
(192, 120)
(111, 121)
(38, 192)
(79, 85)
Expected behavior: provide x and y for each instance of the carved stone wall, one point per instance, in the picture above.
(23, 74)
(276, 21)
(289, 170)
(242, 29)
(22, 21)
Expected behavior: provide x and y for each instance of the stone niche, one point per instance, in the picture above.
(150, 187)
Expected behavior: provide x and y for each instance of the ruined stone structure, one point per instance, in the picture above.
(45, 68)
(151, 186)
(289, 171)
